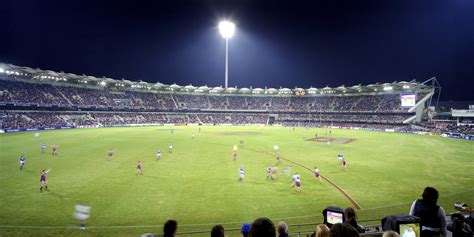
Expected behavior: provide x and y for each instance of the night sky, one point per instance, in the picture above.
(277, 43)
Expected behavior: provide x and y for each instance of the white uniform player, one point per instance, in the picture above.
(158, 154)
(340, 156)
(241, 173)
(275, 148)
(294, 177)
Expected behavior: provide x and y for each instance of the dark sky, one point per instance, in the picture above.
(277, 43)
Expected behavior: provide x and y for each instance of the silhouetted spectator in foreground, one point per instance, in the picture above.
(343, 230)
(322, 231)
(390, 233)
(217, 231)
(262, 227)
(245, 230)
(169, 229)
(282, 229)
(458, 227)
(350, 215)
(433, 221)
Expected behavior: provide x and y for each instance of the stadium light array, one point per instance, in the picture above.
(2, 70)
(387, 88)
(227, 29)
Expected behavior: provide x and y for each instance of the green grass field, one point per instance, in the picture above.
(198, 184)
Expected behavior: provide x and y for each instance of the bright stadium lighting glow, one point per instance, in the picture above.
(1, 70)
(102, 83)
(227, 29)
(387, 88)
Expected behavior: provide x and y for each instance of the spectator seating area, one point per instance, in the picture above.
(26, 93)
(36, 119)
(33, 104)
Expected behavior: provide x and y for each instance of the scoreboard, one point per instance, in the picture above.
(407, 100)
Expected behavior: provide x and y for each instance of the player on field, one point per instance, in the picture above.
(158, 154)
(110, 154)
(269, 173)
(234, 151)
(139, 168)
(54, 150)
(22, 161)
(278, 158)
(275, 148)
(297, 184)
(294, 178)
(241, 173)
(170, 148)
(340, 156)
(43, 147)
(241, 142)
(44, 183)
(192, 136)
(317, 173)
(344, 164)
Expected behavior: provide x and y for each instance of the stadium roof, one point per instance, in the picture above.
(48, 75)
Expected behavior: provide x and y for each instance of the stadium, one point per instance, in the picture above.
(125, 114)
(122, 157)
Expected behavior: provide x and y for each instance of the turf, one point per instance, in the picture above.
(198, 183)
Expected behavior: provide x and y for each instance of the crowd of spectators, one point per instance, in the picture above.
(28, 93)
(38, 93)
(34, 119)
(337, 117)
(374, 111)
(38, 119)
(462, 129)
(449, 127)
(192, 101)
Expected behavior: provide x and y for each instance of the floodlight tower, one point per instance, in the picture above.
(227, 29)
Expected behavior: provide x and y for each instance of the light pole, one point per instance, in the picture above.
(227, 29)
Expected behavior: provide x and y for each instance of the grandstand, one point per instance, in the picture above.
(34, 98)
